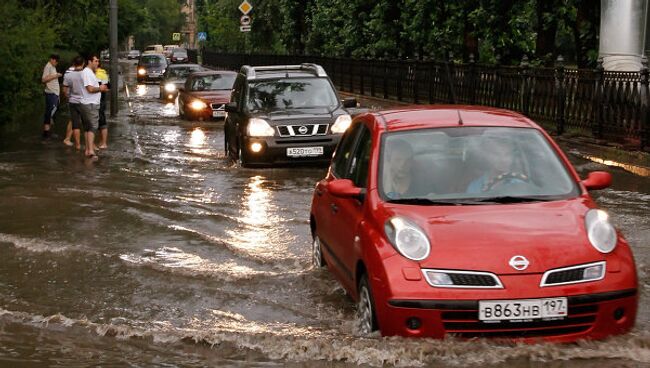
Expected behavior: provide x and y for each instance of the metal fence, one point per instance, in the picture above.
(609, 105)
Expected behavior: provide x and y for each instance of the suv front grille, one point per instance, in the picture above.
(302, 130)
(217, 106)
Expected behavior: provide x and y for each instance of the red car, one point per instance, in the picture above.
(470, 221)
(205, 94)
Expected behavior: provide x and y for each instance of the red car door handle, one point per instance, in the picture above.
(334, 208)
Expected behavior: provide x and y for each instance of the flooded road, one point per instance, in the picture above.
(165, 253)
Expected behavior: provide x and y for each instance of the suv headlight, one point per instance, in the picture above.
(170, 87)
(407, 238)
(198, 105)
(259, 128)
(600, 231)
(342, 124)
(142, 71)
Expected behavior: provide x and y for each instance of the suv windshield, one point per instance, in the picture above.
(472, 165)
(152, 60)
(213, 82)
(291, 93)
(182, 72)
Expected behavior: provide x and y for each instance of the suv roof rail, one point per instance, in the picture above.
(250, 71)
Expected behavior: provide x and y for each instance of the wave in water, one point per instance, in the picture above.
(291, 343)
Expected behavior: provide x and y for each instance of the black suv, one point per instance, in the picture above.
(284, 114)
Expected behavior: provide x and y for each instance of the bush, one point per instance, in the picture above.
(27, 40)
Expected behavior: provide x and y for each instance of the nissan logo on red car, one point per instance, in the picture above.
(421, 206)
(519, 263)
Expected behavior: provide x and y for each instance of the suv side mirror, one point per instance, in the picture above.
(597, 180)
(350, 102)
(231, 107)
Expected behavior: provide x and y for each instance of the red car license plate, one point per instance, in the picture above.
(498, 310)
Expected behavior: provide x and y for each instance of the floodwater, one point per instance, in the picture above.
(164, 253)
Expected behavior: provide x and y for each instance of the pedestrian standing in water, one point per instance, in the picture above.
(103, 125)
(51, 80)
(90, 104)
(72, 89)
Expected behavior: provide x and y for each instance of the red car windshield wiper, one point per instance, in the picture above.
(512, 199)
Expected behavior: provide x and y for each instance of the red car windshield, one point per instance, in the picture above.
(477, 163)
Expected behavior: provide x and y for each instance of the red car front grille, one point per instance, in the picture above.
(466, 324)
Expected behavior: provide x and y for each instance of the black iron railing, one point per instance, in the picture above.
(608, 105)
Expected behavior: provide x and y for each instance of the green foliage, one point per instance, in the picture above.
(27, 40)
(154, 21)
(491, 30)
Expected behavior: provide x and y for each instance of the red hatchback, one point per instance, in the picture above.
(470, 221)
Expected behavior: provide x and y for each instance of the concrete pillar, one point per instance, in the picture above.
(622, 34)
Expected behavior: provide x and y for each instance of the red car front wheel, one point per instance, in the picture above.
(366, 318)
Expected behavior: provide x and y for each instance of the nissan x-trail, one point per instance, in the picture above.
(284, 115)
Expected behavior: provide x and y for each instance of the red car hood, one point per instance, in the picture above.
(212, 96)
(486, 237)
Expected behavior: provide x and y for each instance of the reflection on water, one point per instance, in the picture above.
(169, 109)
(171, 136)
(256, 214)
(197, 139)
(141, 90)
(638, 170)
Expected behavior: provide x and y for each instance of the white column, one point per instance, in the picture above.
(622, 34)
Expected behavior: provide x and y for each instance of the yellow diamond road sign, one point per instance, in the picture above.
(245, 7)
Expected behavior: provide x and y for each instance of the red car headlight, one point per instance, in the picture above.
(409, 240)
(600, 231)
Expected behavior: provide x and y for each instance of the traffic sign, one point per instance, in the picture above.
(245, 28)
(245, 7)
(245, 20)
(202, 36)
(176, 36)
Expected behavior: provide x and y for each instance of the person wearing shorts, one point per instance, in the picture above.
(89, 106)
(72, 89)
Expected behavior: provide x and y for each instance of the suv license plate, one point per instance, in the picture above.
(218, 114)
(304, 151)
(499, 310)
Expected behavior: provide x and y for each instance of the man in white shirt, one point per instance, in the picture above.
(51, 80)
(89, 104)
(72, 90)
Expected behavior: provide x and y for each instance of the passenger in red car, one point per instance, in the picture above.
(398, 176)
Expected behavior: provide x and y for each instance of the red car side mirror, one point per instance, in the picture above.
(597, 180)
(344, 188)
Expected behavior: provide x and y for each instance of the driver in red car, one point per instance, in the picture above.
(504, 171)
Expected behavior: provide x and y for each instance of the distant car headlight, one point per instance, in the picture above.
(342, 124)
(407, 238)
(198, 105)
(259, 128)
(142, 71)
(600, 231)
(170, 87)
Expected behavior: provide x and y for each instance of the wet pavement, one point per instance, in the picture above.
(165, 253)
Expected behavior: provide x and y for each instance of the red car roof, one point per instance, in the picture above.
(437, 116)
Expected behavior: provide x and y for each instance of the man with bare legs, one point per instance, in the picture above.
(91, 94)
